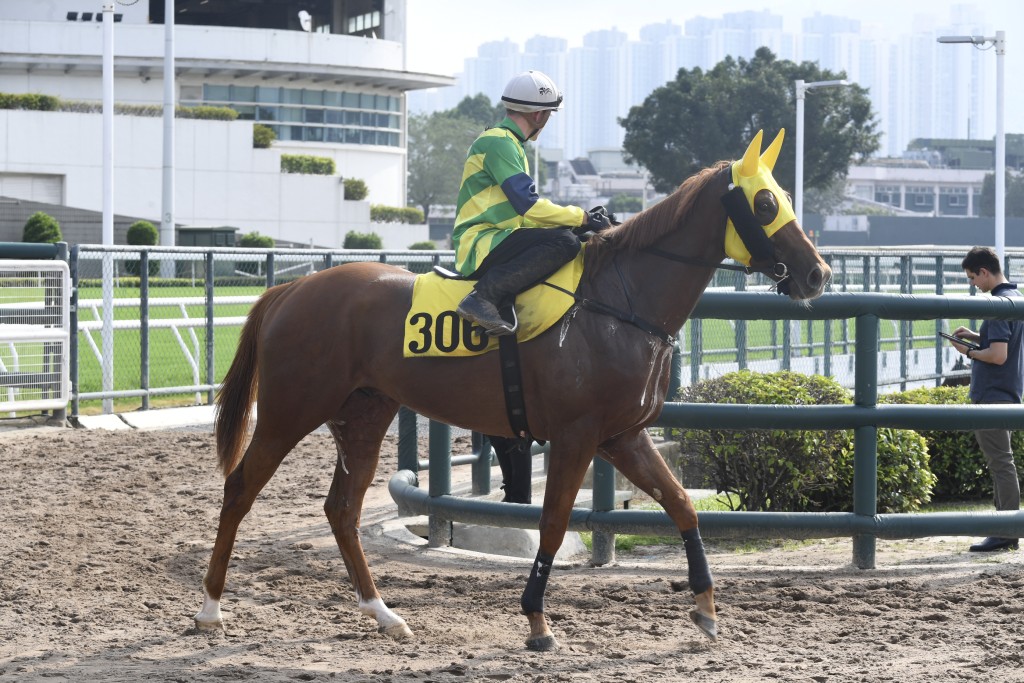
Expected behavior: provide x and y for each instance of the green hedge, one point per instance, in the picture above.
(262, 136)
(396, 214)
(360, 240)
(355, 189)
(36, 102)
(308, 164)
(956, 458)
(799, 470)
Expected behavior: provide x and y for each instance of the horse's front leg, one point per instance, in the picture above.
(636, 457)
(568, 466)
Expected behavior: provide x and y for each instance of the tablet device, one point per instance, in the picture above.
(966, 342)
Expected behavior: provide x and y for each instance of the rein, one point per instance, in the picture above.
(750, 232)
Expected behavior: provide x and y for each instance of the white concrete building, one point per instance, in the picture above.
(335, 90)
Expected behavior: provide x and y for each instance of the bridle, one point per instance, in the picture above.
(754, 239)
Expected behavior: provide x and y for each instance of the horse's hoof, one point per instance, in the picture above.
(396, 631)
(217, 625)
(707, 625)
(545, 643)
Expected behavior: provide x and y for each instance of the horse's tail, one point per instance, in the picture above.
(235, 399)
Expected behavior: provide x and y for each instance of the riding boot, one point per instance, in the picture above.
(500, 283)
(515, 459)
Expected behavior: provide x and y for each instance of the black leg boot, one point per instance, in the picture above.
(515, 459)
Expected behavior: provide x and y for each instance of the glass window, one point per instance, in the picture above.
(335, 135)
(216, 93)
(314, 115)
(333, 116)
(367, 119)
(291, 96)
(351, 136)
(246, 112)
(267, 94)
(365, 101)
(332, 99)
(267, 113)
(352, 118)
(243, 93)
(350, 99)
(291, 114)
(314, 134)
(312, 96)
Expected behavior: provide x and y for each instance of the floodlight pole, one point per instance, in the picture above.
(167, 236)
(999, 42)
(801, 90)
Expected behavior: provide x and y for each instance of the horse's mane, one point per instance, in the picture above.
(646, 227)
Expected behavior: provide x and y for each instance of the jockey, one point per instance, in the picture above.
(498, 198)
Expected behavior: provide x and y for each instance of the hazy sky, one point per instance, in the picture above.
(442, 33)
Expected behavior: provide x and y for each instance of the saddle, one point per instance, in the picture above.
(434, 329)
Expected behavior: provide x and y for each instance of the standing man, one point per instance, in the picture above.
(997, 376)
(498, 201)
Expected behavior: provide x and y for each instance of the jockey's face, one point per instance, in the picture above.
(540, 119)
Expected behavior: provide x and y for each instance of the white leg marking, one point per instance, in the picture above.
(209, 617)
(388, 622)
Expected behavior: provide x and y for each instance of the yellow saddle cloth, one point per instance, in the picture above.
(434, 329)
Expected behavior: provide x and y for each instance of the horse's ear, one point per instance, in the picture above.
(748, 166)
(772, 153)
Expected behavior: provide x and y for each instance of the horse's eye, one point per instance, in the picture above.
(766, 207)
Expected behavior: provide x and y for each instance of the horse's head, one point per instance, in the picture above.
(762, 231)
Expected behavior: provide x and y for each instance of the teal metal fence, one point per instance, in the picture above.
(863, 525)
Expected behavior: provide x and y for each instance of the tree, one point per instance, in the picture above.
(1014, 195)
(41, 228)
(437, 152)
(700, 118)
(480, 110)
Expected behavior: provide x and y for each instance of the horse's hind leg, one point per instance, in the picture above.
(358, 432)
(265, 452)
(636, 457)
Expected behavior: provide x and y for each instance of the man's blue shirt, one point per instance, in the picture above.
(1004, 383)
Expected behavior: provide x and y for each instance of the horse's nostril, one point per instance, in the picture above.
(817, 278)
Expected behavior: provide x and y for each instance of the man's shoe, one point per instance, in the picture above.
(993, 543)
(475, 308)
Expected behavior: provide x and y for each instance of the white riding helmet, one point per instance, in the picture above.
(531, 91)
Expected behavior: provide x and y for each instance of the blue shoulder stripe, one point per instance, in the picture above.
(521, 192)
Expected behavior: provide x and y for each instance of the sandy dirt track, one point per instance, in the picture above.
(106, 535)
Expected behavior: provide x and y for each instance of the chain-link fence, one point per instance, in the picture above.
(159, 326)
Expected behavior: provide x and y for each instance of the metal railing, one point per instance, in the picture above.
(864, 525)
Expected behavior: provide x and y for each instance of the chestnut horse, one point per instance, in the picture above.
(328, 349)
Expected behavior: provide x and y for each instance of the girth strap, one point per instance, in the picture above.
(605, 309)
(512, 380)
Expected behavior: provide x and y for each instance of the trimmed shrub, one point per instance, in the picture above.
(355, 189)
(956, 459)
(307, 164)
(396, 214)
(359, 240)
(423, 246)
(30, 101)
(255, 239)
(41, 228)
(262, 136)
(799, 470)
(142, 233)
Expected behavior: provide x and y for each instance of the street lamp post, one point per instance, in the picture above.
(999, 42)
(801, 90)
